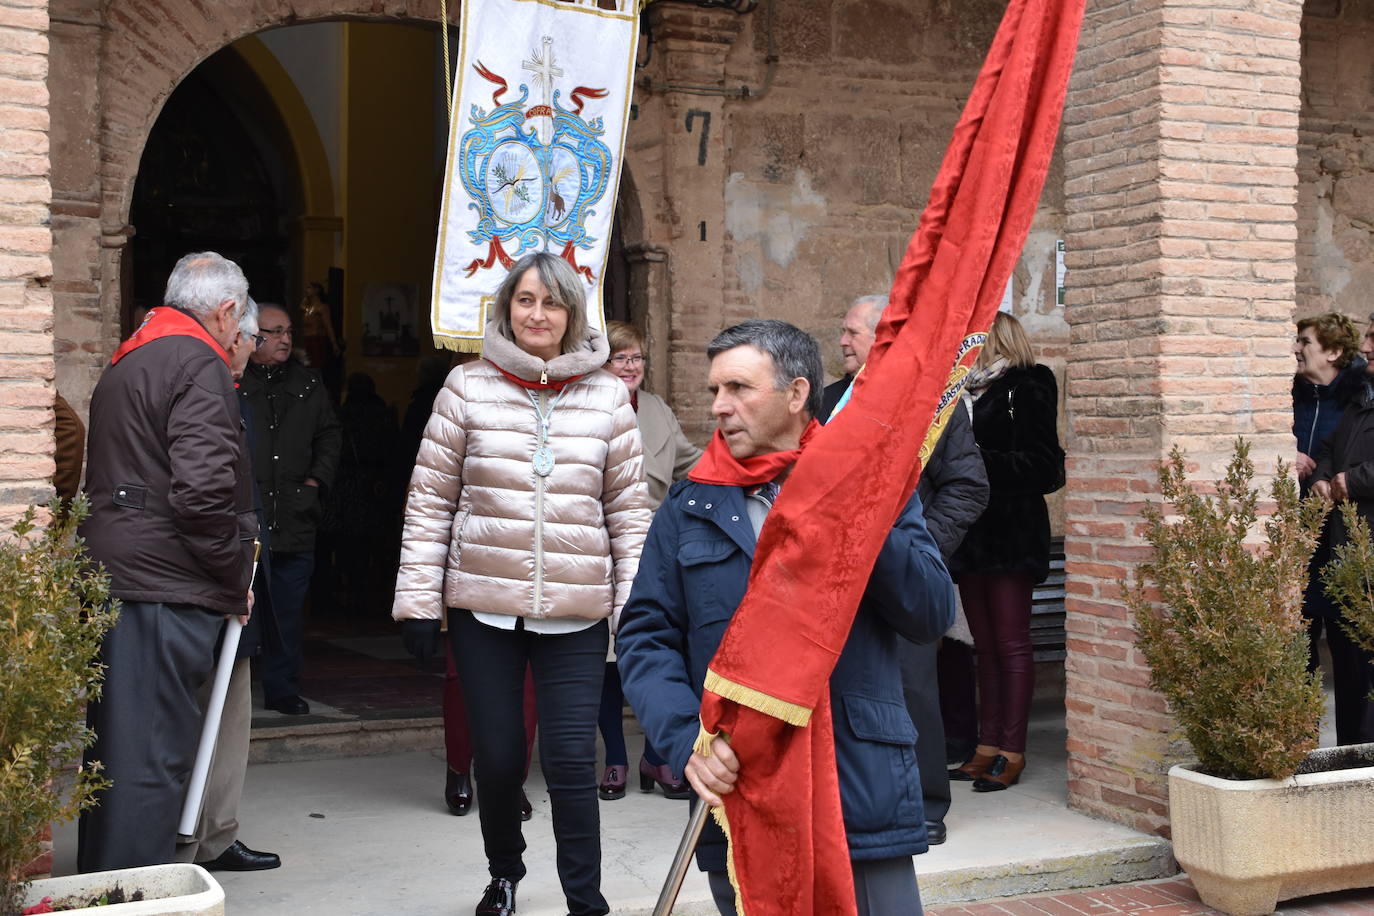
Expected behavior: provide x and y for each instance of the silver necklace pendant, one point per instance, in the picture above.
(543, 461)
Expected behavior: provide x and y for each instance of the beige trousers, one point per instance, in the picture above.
(218, 826)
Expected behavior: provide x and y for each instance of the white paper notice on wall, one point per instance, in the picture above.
(1059, 272)
(1006, 297)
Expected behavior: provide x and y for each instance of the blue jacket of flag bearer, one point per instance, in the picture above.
(692, 576)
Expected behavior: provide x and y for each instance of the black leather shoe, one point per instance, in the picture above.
(458, 793)
(291, 706)
(935, 833)
(498, 899)
(526, 812)
(239, 857)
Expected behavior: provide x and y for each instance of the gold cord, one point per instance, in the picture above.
(448, 72)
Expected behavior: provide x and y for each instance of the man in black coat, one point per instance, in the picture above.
(172, 521)
(954, 490)
(296, 450)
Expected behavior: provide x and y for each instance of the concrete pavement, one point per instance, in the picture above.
(370, 835)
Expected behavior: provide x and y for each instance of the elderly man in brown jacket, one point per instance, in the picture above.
(172, 520)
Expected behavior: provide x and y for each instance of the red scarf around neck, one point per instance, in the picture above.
(557, 384)
(165, 321)
(718, 466)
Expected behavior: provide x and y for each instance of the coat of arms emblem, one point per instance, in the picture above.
(533, 172)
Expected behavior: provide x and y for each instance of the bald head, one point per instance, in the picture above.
(856, 335)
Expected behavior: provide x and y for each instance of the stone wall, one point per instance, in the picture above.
(26, 301)
(823, 167)
(1336, 160)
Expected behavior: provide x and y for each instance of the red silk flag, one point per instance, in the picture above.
(769, 679)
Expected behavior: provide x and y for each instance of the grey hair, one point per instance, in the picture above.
(795, 353)
(562, 282)
(202, 280)
(248, 324)
(876, 304)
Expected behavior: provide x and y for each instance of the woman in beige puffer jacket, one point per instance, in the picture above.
(526, 514)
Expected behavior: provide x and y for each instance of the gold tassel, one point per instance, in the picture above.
(703, 742)
(790, 713)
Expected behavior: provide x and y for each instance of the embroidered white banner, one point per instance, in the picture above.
(539, 114)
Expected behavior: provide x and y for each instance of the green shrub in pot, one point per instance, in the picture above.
(54, 611)
(1218, 611)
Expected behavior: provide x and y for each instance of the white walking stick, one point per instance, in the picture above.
(214, 711)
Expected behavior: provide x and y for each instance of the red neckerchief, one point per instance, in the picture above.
(554, 385)
(718, 466)
(165, 321)
(634, 400)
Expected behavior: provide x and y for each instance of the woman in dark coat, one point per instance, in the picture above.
(1330, 384)
(1007, 551)
(1330, 377)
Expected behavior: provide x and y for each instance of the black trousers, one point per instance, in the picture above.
(958, 693)
(1351, 671)
(147, 724)
(921, 687)
(280, 665)
(568, 670)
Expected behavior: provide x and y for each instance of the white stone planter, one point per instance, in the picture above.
(168, 890)
(1248, 844)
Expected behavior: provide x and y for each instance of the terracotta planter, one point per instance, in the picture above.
(1247, 844)
(168, 890)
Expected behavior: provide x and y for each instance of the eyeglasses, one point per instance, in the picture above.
(621, 362)
(258, 340)
(282, 331)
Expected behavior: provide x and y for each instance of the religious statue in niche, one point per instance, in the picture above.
(390, 316)
(317, 328)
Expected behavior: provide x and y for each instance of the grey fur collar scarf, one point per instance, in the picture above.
(501, 350)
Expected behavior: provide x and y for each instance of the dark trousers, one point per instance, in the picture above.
(921, 687)
(611, 721)
(1351, 672)
(998, 606)
(568, 669)
(882, 887)
(457, 731)
(147, 724)
(281, 663)
(958, 698)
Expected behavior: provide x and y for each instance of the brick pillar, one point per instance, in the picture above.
(689, 48)
(26, 311)
(1181, 186)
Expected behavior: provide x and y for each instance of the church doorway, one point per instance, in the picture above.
(314, 154)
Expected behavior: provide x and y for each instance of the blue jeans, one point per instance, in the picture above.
(281, 662)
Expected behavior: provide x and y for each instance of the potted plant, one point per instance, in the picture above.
(1261, 817)
(54, 610)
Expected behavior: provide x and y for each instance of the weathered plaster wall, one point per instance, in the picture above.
(822, 171)
(1336, 160)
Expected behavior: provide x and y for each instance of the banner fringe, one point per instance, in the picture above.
(718, 812)
(790, 713)
(459, 344)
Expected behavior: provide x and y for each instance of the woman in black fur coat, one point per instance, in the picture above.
(1007, 551)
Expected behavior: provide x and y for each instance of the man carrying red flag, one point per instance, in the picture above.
(765, 377)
